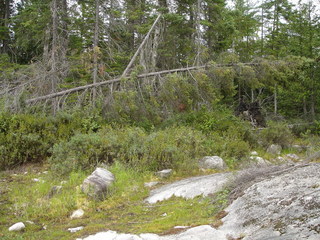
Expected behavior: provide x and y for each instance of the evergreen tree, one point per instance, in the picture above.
(246, 27)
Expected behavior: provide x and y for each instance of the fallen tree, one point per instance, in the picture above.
(115, 80)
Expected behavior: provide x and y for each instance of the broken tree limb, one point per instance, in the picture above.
(140, 47)
(85, 87)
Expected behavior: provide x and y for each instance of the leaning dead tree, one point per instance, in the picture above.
(117, 80)
(125, 72)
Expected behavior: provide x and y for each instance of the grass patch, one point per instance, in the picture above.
(23, 199)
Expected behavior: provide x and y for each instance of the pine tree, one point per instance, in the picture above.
(246, 28)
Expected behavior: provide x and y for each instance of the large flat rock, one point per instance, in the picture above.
(190, 188)
(283, 206)
(204, 232)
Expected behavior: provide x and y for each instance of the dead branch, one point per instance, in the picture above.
(85, 87)
(140, 47)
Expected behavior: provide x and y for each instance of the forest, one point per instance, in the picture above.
(156, 63)
(145, 85)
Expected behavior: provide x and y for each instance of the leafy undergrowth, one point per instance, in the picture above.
(25, 197)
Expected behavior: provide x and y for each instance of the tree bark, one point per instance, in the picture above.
(95, 49)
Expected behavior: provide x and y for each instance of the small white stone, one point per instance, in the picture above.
(45, 172)
(151, 184)
(73, 230)
(37, 180)
(25, 173)
(280, 159)
(17, 227)
(293, 157)
(254, 153)
(180, 227)
(77, 214)
(308, 198)
(164, 215)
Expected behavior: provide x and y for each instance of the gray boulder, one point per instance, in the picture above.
(212, 162)
(98, 183)
(259, 162)
(274, 149)
(164, 173)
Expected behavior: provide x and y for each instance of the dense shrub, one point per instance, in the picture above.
(28, 138)
(276, 133)
(173, 147)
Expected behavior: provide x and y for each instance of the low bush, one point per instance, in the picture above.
(276, 133)
(28, 138)
(173, 147)
(131, 146)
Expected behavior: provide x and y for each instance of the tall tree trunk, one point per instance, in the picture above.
(64, 26)
(198, 33)
(305, 106)
(262, 30)
(275, 99)
(95, 48)
(54, 45)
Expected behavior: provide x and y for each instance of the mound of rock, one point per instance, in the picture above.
(97, 184)
(283, 205)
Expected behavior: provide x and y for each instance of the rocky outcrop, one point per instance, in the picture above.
(285, 206)
(282, 204)
(98, 183)
(212, 162)
(190, 188)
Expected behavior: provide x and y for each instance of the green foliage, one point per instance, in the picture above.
(276, 133)
(23, 139)
(172, 147)
(28, 138)
(178, 144)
